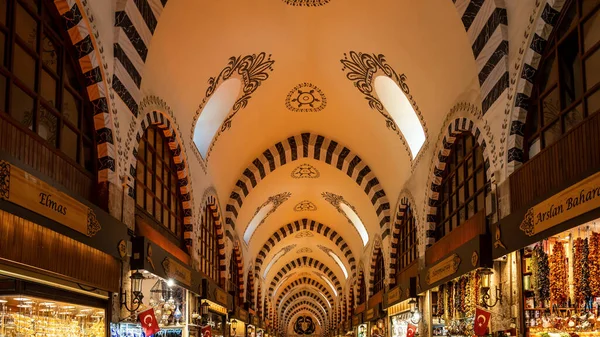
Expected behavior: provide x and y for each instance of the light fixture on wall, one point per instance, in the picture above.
(204, 312)
(485, 279)
(414, 309)
(233, 323)
(137, 279)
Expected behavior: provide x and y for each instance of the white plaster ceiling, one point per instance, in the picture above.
(425, 40)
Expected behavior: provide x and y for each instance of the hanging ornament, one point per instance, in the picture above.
(540, 281)
(577, 270)
(558, 274)
(594, 264)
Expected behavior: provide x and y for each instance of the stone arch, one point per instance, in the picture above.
(300, 305)
(359, 282)
(305, 262)
(239, 260)
(86, 39)
(165, 123)
(486, 24)
(289, 306)
(211, 202)
(300, 225)
(305, 281)
(303, 293)
(455, 128)
(377, 249)
(307, 145)
(250, 288)
(260, 301)
(302, 311)
(406, 200)
(532, 56)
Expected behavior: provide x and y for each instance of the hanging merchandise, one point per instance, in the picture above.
(594, 264)
(558, 275)
(540, 279)
(581, 271)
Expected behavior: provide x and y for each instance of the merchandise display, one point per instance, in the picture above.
(454, 306)
(28, 316)
(560, 298)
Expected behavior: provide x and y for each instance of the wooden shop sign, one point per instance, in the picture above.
(394, 295)
(221, 295)
(24, 189)
(177, 271)
(443, 269)
(565, 205)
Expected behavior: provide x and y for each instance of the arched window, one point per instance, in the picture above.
(209, 251)
(362, 290)
(379, 277)
(566, 85)
(407, 241)
(464, 185)
(41, 89)
(234, 280)
(156, 187)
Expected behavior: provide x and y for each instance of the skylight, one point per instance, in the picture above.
(273, 260)
(214, 113)
(329, 283)
(258, 218)
(360, 227)
(395, 102)
(339, 262)
(325, 298)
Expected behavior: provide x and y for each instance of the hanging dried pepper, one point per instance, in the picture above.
(585, 271)
(594, 264)
(450, 300)
(558, 274)
(540, 280)
(440, 301)
(577, 269)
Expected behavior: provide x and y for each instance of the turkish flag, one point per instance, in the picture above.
(206, 331)
(482, 320)
(410, 330)
(149, 322)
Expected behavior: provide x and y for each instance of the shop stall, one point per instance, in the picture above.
(209, 309)
(557, 241)
(60, 266)
(402, 309)
(160, 282)
(375, 318)
(239, 319)
(453, 282)
(361, 328)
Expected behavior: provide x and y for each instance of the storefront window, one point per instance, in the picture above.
(561, 283)
(566, 85)
(156, 183)
(209, 251)
(40, 82)
(379, 277)
(464, 185)
(407, 241)
(453, 305)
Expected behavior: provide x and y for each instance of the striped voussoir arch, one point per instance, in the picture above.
(250, 288)
(307, 145)
(89, 58)
(259, 301)
(215, 211)
(359, 282)
(304, 293)
(377, 249)
(163, 122)
(239, 262)
(300, 225)
(304, 262)
(305, 281)
(486, 24)
(304, 305)
(401, 213)
(457, 127)
(303, 301)
(531, 61)
(135, 24)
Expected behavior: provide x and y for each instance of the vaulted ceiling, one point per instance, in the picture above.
(307, 143)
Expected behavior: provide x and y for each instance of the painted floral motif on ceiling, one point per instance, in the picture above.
(305, 171)
(306, 3)
(305, 234)
(306, 97)
(305, 206)
(304, 250)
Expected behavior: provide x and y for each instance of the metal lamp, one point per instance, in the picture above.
(204, 311)
(137, 279)
(233, 325)
(414, 309)
(485, 279)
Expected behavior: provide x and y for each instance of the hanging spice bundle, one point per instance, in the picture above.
(440, 301)
(540, 278)
(450, 300)
(470, 296)
(558, 274)
(577, 269)
(594, 264)
(585, 271)
(457, 298)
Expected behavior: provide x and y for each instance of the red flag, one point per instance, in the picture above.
(206, 331)
(410, 330)
(149, 322)
(482, 320)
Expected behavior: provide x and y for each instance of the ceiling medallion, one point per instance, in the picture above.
(305, 171)
(306, 3)
(306, 97)
(305, 206)
(304, 234)
(304, 250)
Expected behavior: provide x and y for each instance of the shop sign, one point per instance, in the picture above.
(220, 295)
(394, 295)
(443, 269)
(243, 315)
(255, 320)
(177, 271)
(24, 189)
(567, 204)
(355, 320)
(370, 314)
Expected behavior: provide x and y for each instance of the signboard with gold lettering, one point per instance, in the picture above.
(221, 296)
(443, 269)
(394, 295)
(370, 314)
(24, 189)
(567, 204)
(177, 271)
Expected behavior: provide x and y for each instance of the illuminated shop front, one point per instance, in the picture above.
(401, 306)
